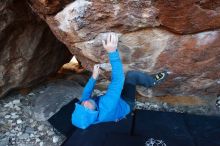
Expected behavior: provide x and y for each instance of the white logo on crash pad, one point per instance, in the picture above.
(153, 142)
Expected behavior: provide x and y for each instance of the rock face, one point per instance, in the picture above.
(29, 51)
(153, 35)
(189, 16)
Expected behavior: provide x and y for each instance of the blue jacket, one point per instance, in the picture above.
(110, 107)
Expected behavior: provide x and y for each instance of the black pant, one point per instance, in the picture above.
(132, 79)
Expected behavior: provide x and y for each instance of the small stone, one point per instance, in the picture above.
(4, 141)
(33, 125)
(16, 102)
(20, 133)
(14, 116)
(11, 134)
(41, 127)
(41, 143)
(37, 140)
(32, 135)
(7, 116)
(55, 139)
(10, 105)
(41, 92)
(13, 131)
(29, 130)
(31, 94)
(31, 120)
(17, 108)
(13, 113)
(17, 129)
(24, 136)
(19, 121)
(50, 133)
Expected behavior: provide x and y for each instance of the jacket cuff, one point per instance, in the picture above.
(92, 79)
(114, 55)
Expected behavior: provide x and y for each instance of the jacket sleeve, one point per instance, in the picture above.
(88, 89)
(113, 92)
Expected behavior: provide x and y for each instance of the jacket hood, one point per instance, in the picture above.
(83, 117)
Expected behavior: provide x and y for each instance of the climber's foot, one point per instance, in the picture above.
(160, 77)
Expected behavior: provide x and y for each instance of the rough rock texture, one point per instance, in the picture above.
(29, 51)
(151, 39)
(189, 16)
(56, 95)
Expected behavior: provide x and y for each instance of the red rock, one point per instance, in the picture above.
(189, 16)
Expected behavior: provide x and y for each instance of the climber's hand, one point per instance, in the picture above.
(111, 43)
(96, 71)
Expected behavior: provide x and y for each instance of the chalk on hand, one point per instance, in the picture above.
(105, 66)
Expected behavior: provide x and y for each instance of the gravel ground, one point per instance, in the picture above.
(19, 128)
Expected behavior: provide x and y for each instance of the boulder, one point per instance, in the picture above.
(29, 51)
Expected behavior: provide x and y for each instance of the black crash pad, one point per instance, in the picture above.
(61, 121)
(172, 128)
(124, 140)
(205, 130)
(96, 134)
(165, 126)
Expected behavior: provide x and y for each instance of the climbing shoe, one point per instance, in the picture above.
(160, 77)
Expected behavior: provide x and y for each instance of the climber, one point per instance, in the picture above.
(119, 98)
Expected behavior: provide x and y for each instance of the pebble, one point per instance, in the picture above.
(10, 105)
(37, 140)
(17, 129)
(16, 101)
(11, 134)
(7, 116)
(31, 94)
(13, 131)
(19, 121)
(29, 130)
(17, 108)
(14, 116)
(24, 136)
(40, 128)
(4, 141)
(41, 143)
(50, 133)
(20, 133)
(55, 139)
(41, 92)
